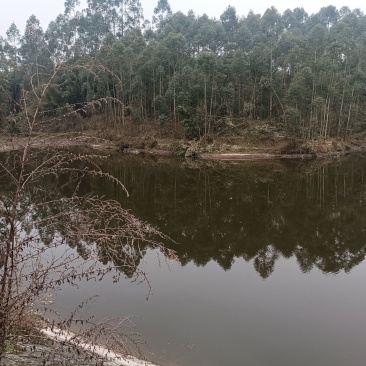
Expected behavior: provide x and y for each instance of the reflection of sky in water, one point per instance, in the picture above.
(206, 316)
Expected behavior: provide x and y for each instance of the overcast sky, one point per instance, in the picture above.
(47, 10)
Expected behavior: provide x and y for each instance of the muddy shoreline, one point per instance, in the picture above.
(177, 148)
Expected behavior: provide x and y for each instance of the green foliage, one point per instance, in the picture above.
(292, 69)
(292, 120)
(163, 119)
(10, 348)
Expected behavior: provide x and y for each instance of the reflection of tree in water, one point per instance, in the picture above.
(126, 251)
(261, 212)
(314, 212)
(265, 260)
(85, 223)
(52, 234)
(125, 256)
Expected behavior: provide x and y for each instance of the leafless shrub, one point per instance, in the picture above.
(48, 239)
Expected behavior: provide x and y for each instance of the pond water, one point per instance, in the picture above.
(272, 265)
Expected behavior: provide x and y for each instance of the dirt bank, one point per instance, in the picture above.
(219, 149)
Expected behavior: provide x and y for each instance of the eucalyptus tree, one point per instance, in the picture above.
(269, 31)
(342, 45)
(12, 45)
(118, 16)
(107, 9)
(299, 102)
(92, 30)
(5, 96)
(161, 12)
(206, 34)
(148, 71)
(32, 40)
(206, 62)
(36, 57)
(2, 55)
(156, 76)
(239, 88)
(316, 42)
(295, 19)
(177, 23)
(13, 35)
(70, 7)
(230, 22)
(172, 52)
(10, 78)
(243, 37)
(260, 65)
(291, 56)
(189, 96)
(272, 28)
(134, 48)
(130, 15)
(344, 11)
(59, 38)
(252, 21)
(256, 66)
(328, 16)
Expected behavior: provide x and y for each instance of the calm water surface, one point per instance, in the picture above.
(272, 261)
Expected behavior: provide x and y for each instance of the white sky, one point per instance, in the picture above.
(47, 10)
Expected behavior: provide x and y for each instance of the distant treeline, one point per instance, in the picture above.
(303, 73)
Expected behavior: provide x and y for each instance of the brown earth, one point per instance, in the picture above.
(275, 146)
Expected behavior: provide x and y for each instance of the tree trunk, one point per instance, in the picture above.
(349, 114)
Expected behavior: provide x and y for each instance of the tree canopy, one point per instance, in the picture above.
(303, 73)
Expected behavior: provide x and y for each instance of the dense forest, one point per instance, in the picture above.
(304, 74)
